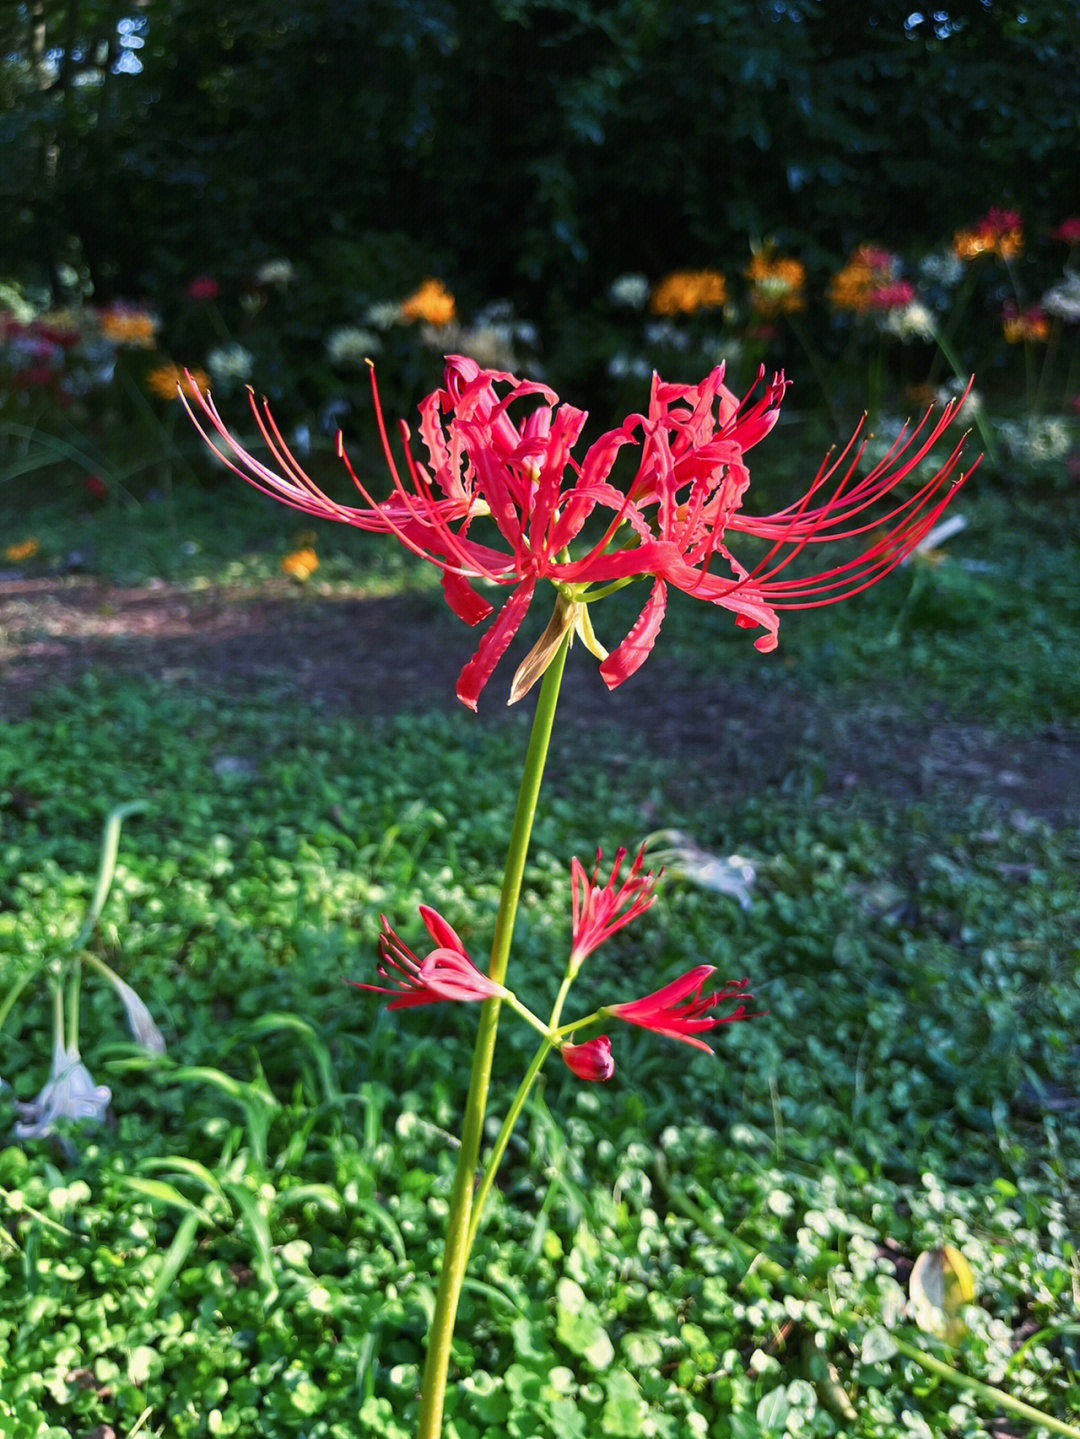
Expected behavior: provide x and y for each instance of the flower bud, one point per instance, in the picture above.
(592, 1060)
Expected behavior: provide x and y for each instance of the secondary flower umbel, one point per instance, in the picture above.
(447, 973)
(681, 1011)
(501, 455)
(600, 911)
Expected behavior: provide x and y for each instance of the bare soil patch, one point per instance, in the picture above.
(378, 656)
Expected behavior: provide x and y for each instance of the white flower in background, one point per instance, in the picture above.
(1064, 299)
(944, 269)
(140, 1020)
(69, 1093)
(491, 346)
(945, 394)
(351, 346)
(722, 351)
(731, 874)
(629, 290)
(1036, 440)
(230, 363)
(627, 367)
(384, 314)
(663, 332)
(275, 272)
(910, 322)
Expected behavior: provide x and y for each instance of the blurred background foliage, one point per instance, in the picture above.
(533, 148)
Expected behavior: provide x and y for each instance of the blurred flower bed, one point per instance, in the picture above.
(883, 333)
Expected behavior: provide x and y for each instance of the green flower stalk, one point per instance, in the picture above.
(504, 505)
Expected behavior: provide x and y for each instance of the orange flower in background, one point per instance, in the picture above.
(167, 381)
(127, 326)
(301, 564)
(684, 291)
(868, 273)
(999, 232)
(433, 302)
(776, 284)
(25, 550)
(1021, 325)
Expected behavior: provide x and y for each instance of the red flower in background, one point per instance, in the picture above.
(447, 973)
(591, 1061)
(203, 287)
(1068, 232)
(681, 1011)
(489, 462)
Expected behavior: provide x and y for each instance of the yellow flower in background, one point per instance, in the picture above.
(25, 550)
(999, 232)
(433, 302)
(129, 327)
(301, 564)
(776, 284)
(684, 291)
(1030, 325)
(167, 380)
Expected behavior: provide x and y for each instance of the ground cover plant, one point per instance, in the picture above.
(742, 1265)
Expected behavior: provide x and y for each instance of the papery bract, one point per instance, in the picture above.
(447, 972)
(681, 1011)
(592, 1060)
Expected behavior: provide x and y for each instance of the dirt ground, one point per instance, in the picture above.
(368, 656)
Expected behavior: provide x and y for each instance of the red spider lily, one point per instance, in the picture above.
(668, 524)
(447, 973)
(592, 1060)
(681, 1011)
(600, 912)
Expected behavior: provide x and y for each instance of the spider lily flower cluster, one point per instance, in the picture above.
(500, 453)
(680, 1010)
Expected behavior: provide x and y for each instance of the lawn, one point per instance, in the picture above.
(247, 1245)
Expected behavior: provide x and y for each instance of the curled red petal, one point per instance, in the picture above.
(637, 646)
(441, 931)
(469, 606)
(494, 645)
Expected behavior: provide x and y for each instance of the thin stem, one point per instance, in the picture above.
(73, 1006)
(456, 1253)
(978, 419)
(514, 1112)
(946, 1372)
(997, 1397)
(499, 1147)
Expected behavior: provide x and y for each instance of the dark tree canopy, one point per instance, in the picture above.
(527, 146)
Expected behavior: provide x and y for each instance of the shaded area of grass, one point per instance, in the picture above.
(912, 1084)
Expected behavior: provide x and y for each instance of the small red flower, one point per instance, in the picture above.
(203, 287)
(447, 973)
(895, 296)
(592, 1060)
(681, 1011)
(1068, 232)
(600, 912)
(96, 488)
